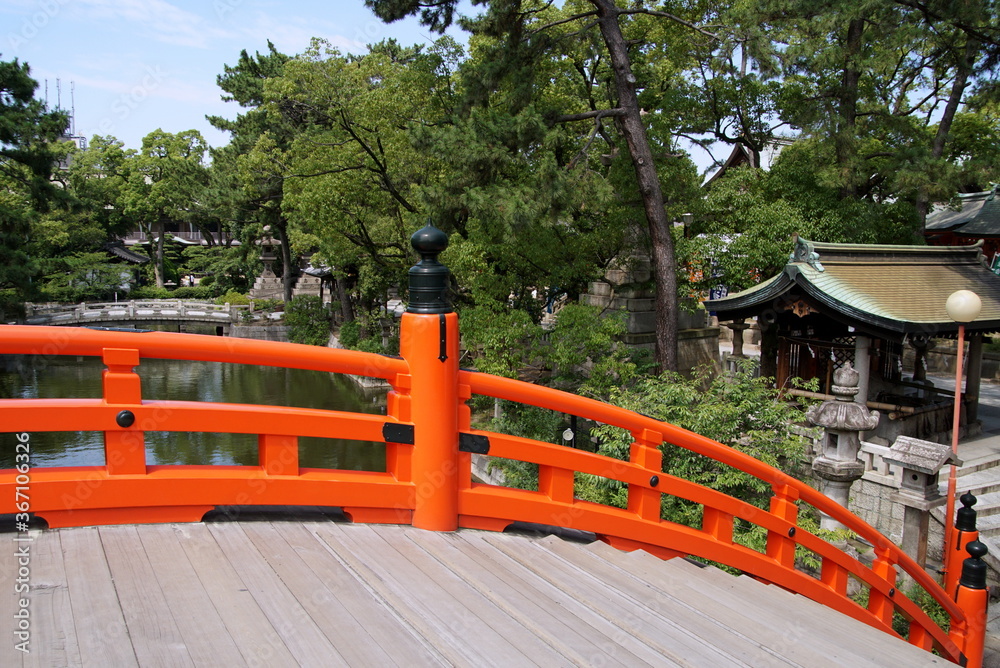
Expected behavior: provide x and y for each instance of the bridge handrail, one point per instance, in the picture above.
(785, 487)
(426, 390)
(41, 340)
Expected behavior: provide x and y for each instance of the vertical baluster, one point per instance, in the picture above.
(124, 448)
(398, 456)
(879, 604)
(556, 483)
(278, 454)
(645, 452)
(717, 524)
(834, 576)
(781, 546)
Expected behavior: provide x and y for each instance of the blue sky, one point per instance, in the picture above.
(138, 65)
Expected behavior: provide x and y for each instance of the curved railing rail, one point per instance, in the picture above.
(427, 479)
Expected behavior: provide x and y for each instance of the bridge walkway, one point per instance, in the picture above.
(322, 593)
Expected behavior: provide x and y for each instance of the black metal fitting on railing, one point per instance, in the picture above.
(974, 568)
(125, 419)
(965, 517)
(429, 278)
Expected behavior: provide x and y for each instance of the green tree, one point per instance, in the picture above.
(519, 34)
(249, 192)
(164, 181)
(29, 153)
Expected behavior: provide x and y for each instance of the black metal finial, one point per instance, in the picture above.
(974, 568)
(965, 518)
(429, 278)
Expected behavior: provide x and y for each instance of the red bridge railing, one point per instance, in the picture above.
(427, 480)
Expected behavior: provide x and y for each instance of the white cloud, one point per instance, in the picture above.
(157, 19)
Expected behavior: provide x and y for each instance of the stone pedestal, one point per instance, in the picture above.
(842, 420)
(921, 462)
(631, 290)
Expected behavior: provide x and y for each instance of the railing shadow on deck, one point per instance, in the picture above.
(427, 480)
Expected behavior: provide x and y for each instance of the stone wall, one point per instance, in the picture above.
(260, 332)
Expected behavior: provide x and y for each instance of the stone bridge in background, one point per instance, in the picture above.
(161, 310)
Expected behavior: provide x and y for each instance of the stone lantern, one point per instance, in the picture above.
(842, 420)
(921, 462)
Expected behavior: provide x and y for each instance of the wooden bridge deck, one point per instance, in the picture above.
(320, 593)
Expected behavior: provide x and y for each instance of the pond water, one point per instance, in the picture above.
(80, 377)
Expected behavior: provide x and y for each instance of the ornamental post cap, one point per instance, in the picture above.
(429, 278)
(429, 240)
(963, 306)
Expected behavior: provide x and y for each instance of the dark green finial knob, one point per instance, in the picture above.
(974, 568)
(429, 278)
(965, 518)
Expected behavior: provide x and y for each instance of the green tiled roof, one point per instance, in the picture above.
(898, 289)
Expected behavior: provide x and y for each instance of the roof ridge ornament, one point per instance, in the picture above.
(806, 252)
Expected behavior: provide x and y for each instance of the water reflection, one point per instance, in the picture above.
(80, 377)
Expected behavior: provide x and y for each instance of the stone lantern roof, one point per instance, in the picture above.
(922, 456)
(843, 414)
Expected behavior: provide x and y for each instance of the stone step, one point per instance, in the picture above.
(977, 457)
(980, 482)
(987, 504)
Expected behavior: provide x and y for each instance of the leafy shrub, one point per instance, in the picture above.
(233, 298)
(150, 292)
(192, 292)
(269, 305)
(308, 320)
(350, 334)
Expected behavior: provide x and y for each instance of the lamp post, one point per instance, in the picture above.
(963, 306)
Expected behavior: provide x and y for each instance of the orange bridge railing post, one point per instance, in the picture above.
(972, 596)
(428, 341)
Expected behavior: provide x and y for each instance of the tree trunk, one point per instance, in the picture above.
(346, 309)
(634, 131)
(847, 108)
(962, 74)
(289, 268)
(158, 252)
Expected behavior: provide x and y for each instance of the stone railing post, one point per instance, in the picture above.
(428, 341)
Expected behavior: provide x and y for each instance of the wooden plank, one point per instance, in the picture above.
(9, 654)
(385, 629)
(470, 593)
(101, 630)
(307, 643)
(52, 630)
(583, 631)
(517, 599)
(615, 616)
(320, 602)
(245, 622)
(866, 643)
(426, 607)
(204, 634)
(800, 625)
(155, 637)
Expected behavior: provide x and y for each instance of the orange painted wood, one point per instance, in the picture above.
(278, 455)
(434, 406)
(430, 483)
(555, 483)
